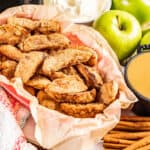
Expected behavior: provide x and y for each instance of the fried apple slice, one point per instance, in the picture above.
(3, 58)
(78, 98)
(63, 73)
(68, 84)
(34, 42)
(24, 22)
(81, 110)
(45, 100)
(108, 92)
(64, 58)
(57, 74)
(11, 52)
(39, 42)
(94, 58)
(30, 89)
(49, 104)
(91, 75)
(28, 65)
(58, 41)
(41, 95)
(12, 34)
(48, 26)
(38, 82)
(8, 68)
(70, 71)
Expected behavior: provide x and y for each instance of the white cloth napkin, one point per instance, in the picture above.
(11, 135)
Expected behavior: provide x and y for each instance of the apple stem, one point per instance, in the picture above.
(119, 25)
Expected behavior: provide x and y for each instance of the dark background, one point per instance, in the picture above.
(4, 4)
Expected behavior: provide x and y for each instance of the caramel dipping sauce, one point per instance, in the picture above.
(138, 74)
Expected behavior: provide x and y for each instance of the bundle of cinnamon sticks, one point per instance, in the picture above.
(131, 133)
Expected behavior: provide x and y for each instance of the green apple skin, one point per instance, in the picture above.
(145, 39)
(121, 30)
(145, 28)
(139, 8)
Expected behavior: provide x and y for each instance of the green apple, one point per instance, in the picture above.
(139, 8)
(145, 27)
(121, 30)
(145, 39)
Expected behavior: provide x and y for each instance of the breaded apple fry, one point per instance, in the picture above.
(8, 68)
(40, 42)
(67, 84)
(45, 100)
(31, 90)
(41, 95)
(3, 58)
(49, 26)
(28, 65)
(108, 92)
(70, 71)
(57, 74)
(93, 60)
(49, 104)
(78, 98)
(81, 111)
(91, 75)
(64, 58)
(24, 22)
(11, 52)
(58, 41)
(43, 26)
(38, 82)
(34, 42)
(12, 34)
(63, 73)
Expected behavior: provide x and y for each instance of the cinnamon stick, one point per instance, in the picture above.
(117, 131)
(147, 147)
(110, 149)
(135, 118)
(139, 144)
(117, 141)
(135, 125)
(129, 136)
(114, 146)
(127, 128)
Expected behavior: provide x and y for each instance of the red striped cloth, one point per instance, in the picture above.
(12, 118)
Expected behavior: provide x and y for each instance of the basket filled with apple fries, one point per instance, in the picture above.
(67, 76)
